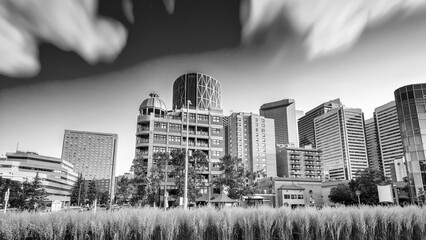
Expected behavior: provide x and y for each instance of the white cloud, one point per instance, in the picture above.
(72, 25)
(328, 26)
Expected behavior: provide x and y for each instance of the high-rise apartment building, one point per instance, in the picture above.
(411, 111)
(57, 175)
(252, 138)
(299, 162)
(284, 114)
(306, 123)
(373, 145)
(93, 155)
(160, 130)
(389, 136)
(339, 134)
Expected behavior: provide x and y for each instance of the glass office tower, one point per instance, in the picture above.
(411, 110)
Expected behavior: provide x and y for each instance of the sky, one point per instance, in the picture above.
(92, 74)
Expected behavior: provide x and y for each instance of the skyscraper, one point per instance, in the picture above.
(203, 91)
(411, 111)
(306, 123)
(339, 134)
(373, 145)
(252, 138)
(389, 136)
(93, 155)
(284, 114)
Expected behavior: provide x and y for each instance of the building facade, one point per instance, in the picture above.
(306, 122)
(93, 155)
(57, 175)
(160, 130)
(299, 162)
(389, 136)
(202, 90)
(297, 192)
(411, 111)
(373, 145)
(284, 114)
(252, 138)
(340, 135)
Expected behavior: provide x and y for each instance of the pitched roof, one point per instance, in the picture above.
(222, 198)
(291, 187)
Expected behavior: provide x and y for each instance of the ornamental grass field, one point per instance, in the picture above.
(229, 223)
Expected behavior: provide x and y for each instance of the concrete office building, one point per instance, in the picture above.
(93, 155)
(306, 122)
(411, 111)
(339, 134)
(252, 138)
(389, 136)
(373, 145)
(57, 175)
(160, 130)
(284, 114)
(299, 162)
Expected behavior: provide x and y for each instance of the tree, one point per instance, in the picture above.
(366, 181)
(234, 177)
(197, 163)
(92, 191)
(37, 194)
(78, 191)
(158, 174)
(103, 197)
(141, 183)
(342, 194)
(124, 190)
(16, 199)
(263, 185)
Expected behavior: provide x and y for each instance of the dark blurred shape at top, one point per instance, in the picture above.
(195, 26)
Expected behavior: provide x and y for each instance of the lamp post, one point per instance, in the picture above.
(185, 190)
(358, 192)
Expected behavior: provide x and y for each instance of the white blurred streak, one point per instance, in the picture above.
(72, 25)
(170, 6)
(328, 26)
(17, 49)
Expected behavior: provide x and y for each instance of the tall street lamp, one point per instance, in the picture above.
(185, 191)
(358, 192)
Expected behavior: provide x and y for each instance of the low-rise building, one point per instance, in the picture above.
(57, 176)
(297, 192)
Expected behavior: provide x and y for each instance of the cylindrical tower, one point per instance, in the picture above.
(411, 109)
(203, 91)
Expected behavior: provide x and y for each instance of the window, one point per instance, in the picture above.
(159, 149)
(215, 141)
(216, 153)
(286, 196)
(175, 127)
(300, 196)
(216, 119)
(203, 117)
(192, 116)
(217, 131)
(159, 137)
(160, 125)
(293, 196)
(171, 149)
(174, 138)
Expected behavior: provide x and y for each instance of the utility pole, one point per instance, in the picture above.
(185, 191)
(6, 199)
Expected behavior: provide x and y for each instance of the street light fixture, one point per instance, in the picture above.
(185, 191)
(358, 192)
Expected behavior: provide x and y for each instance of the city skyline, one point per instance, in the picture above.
(388, 55)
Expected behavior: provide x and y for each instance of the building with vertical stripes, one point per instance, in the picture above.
(389, 136)
(373, 145)
(340, 135)
(306, 122)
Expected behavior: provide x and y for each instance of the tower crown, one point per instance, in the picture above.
(153, 104)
